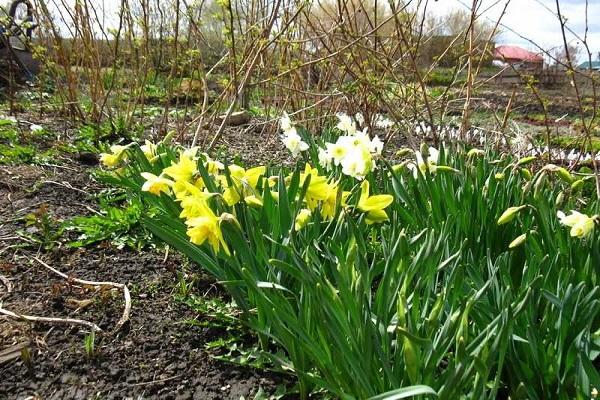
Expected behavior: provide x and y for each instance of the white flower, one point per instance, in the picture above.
(346, 124)
(423, 166)
(357, 163)
(337, 151)
(36, 128)
(192, 152)
(325, 158)
(383, 122)
(360, 119)
(376, 145)
(581, 225)
(290, 131)
(285, 122)
(294, 143)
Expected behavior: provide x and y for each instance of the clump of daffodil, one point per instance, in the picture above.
(156, 184)
(373, 205)
(354, 151)
(116, 155)
(581, 225)
(243, 183)
(206, 227)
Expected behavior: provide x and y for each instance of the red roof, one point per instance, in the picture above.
(516, 53)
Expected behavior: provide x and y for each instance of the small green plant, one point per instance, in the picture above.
(27, 358)
(118, 223)
(89, 345)
(42, 228)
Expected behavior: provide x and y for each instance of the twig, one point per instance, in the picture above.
(126, 294)
(68, 186)
(156, 381)
(32, 318)
(6, 283)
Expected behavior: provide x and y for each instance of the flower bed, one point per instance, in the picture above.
(453, 274)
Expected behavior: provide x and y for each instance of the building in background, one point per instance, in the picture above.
(594, 66)
(518, 58)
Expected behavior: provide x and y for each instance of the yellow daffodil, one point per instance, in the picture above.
(156, 184)
(373, 205)
(149, 150)
(302, 219)
(183, 170)
(253, 201)
(329, 205)
(243, 181)
(212, 166)
(581, 225)
(206, 228)
(115, 156)
(318, 188)
(194, 202)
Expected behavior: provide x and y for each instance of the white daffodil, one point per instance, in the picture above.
(346, 124)
(422, 165)
(581, 225)
(337, 151)
(357, 163)
(191, 153)
(325, 158)
(376, 146)
(294, 143)
(285, 123)
(36, 128)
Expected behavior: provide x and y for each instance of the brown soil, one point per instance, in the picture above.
(156, 355)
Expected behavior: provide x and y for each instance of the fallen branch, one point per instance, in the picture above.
(12, 352)
(32, 318)
(126, 294)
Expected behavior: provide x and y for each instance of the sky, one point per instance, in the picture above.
(533, 20)
(525, 21)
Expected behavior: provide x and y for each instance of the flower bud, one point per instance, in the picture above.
(565, 175)
(302, 219)
(577, 185)
(526, 160)
(559, 199)
(475, 153)
(424, 150)
(526, 174)
(404, 152)
(509, 214)
(519, 240)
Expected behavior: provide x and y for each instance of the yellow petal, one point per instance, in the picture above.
(376, 216)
